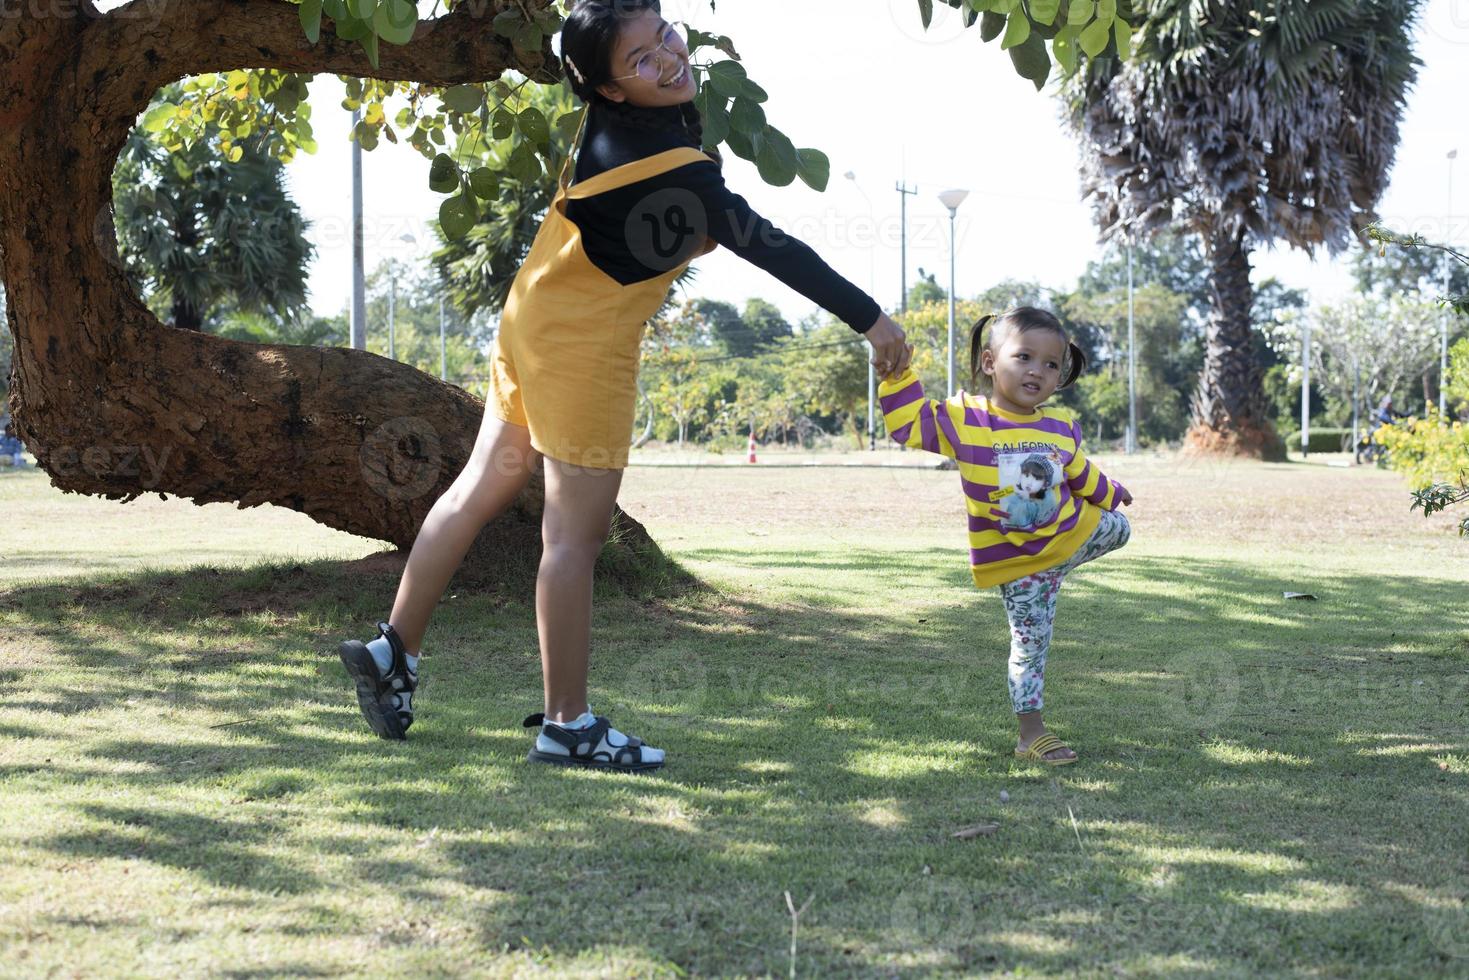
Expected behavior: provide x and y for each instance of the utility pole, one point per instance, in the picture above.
(359, 278)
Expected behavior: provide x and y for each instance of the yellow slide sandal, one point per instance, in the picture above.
(1036, 751)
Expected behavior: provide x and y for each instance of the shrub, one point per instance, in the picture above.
(1323, 439)
(1426, 450)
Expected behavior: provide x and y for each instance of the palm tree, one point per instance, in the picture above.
(198, 234)
(1244, 122)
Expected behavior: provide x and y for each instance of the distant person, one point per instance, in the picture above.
(646, 200)
(1037, 507)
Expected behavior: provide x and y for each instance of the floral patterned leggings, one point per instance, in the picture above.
(1030, 603)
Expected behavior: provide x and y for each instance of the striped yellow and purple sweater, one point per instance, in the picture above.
(996, 450)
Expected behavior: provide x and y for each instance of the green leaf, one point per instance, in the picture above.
(524, 165)
(746, 145)
(369, 44)
(1107, 11)
(990, 25)
(158, 116)
(533, 124)
(749, 90)
(1032, 61)
(774, 168)
(1044, 11)
(716, 123)
(395, 21)
(352, 29)
(1064, 47)
(1123, 31)
(443, 174)
(747, 116)
(456, 217)
(362, 9)
(1080, 11)
(814, 167)
(1016, 31)
(727, 78)
(528, 38)
(311, 19)
(503, 125)
(1094, 38)
(485, 183)
(507, 22)
(925, 12)
(464, 98)
(335, 9)
(566, 125)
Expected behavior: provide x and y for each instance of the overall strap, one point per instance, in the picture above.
(575, 145)
(631, 173)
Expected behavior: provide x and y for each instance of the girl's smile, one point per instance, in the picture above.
(650, 64)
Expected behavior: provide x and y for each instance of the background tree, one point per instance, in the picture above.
(764, 324)
(674, 378)
(1160, 321)
(827, 363)
(1243, 122)
(1389, 341)
(198, 233)
(926, 290)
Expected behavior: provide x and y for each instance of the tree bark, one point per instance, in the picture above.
(115, 403)
(1229, 415)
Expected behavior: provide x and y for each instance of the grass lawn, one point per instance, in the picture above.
(1265, 786)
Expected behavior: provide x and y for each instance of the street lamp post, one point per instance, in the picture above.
(1131, 361)
(1305, 388)
(1443, 339)
(951, 199)
(359, 280)
(407, 239)
(871, 370)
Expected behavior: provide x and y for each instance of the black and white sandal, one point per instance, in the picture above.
(386, 700)
(588, 748)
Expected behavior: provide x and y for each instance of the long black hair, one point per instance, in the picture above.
(1023, 319)
(587, 40)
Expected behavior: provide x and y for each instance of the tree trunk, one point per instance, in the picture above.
(1229, 406)
(111, 401)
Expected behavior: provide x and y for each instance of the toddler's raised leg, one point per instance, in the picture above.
(1030, 605)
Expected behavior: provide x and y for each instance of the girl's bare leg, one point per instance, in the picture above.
(498, 469)
(579, 504)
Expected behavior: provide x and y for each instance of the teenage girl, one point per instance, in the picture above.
(645, 201)
(1014, 453)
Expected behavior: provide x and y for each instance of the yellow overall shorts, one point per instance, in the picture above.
(566, 358)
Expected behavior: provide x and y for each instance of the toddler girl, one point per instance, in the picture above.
(1037, 507)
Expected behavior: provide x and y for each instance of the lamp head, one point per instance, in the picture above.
(952, 199)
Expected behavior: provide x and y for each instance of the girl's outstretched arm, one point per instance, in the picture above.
(1087, 480)
(916, 421)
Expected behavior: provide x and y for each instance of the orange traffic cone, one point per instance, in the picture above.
(752, 447)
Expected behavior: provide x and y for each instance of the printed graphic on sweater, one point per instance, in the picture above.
(1029, 493)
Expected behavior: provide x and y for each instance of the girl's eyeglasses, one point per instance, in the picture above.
(675, 41)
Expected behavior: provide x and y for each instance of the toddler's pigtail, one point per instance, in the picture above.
(976, 348)
(1076, 361)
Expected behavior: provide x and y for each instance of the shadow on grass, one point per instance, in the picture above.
(1251, 767)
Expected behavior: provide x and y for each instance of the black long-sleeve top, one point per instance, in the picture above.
(637, 232)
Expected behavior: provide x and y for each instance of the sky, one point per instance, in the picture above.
(887, 101)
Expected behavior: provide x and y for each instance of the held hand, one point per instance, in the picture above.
(1126, 498)
(890, 352)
